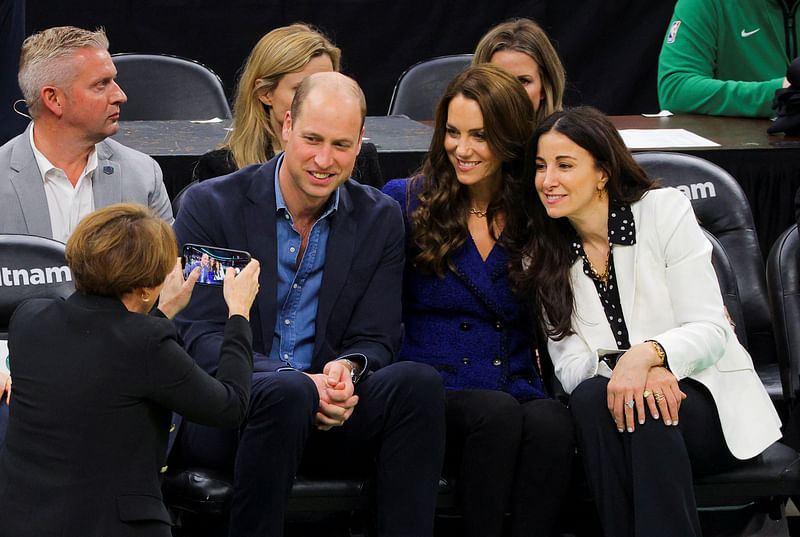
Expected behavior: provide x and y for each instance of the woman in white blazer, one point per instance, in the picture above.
(660, 386)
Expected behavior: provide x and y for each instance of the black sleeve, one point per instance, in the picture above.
(367, 170)
(178, 383)
(214, 164)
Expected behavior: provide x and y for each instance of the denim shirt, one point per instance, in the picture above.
(298, 287)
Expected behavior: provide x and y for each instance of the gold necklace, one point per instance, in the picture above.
(478, 212)
(602, 276)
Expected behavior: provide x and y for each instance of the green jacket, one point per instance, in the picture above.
(727, 57)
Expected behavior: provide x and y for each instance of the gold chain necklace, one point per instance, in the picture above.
(478, 212)
(602, 276)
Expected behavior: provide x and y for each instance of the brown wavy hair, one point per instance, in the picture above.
(540, 254)
(439, 222)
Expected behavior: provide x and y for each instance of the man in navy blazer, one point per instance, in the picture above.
(326, 325)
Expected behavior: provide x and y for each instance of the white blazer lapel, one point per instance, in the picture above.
(626, 277)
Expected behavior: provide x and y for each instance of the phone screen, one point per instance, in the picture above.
(212, 262)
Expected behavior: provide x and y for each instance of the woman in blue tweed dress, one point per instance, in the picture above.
(508, 444)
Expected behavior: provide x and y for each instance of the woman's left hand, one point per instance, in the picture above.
(627, 384)
(664, 394)
(176, 291)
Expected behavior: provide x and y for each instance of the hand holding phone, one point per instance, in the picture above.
(240, 291)
(212, 262)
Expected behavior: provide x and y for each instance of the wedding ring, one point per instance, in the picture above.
(647, 393)
(630, 403)
(659, 397)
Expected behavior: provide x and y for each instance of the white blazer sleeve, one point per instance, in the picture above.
(699, 336)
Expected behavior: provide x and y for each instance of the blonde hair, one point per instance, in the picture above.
(281, 51)
(46, 60)
(118, 248)
(524, 35)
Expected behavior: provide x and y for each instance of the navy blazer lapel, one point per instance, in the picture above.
(338, 258)
(479, 276)
(260, 234)
(107, 178)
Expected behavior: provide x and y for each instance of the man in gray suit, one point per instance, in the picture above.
(64, 166)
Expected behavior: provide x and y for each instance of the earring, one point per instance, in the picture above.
(600, 193)
(145, 298)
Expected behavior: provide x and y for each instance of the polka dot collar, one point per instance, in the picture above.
(621, 228)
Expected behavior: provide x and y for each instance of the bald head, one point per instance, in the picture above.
(344, 88)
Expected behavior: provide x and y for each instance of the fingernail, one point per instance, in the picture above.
(641, 422)
(676, 423)
(655, 416)
(630, 429)
(621, 430)
(668, 422)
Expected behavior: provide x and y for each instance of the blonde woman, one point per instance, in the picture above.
(277, 64)
(522, 48)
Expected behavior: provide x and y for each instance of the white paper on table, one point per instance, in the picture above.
(663, 113)
(3, 356)
(207, 121)
(663, 138)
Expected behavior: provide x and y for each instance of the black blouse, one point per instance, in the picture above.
(621, 230)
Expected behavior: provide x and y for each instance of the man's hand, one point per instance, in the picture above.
(336, 399)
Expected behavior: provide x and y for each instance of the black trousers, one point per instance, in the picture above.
(395, 432)
(508, 456)
(642, 481)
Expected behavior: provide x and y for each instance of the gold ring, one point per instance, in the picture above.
(659, 397)
(647, 393)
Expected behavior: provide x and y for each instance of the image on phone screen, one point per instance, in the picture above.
(212, 262)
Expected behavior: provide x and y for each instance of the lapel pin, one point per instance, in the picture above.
(108, 170)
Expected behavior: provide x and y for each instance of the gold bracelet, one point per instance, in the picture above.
(659, 350)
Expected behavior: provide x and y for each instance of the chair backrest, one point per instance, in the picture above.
(723, 210)
(783, 281)
(420, 87)
(30, 267)
(161, 87)
(728, 286)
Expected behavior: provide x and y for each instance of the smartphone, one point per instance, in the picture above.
(212, 262)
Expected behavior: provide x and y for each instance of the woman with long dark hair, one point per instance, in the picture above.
(621, 272)
(508, 444)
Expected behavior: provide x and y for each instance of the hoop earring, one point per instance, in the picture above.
(145, 298)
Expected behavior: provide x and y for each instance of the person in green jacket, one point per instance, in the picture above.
(727, 57)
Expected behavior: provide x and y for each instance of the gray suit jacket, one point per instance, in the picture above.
(122, 175)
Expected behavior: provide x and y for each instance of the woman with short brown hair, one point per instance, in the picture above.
(96, 380)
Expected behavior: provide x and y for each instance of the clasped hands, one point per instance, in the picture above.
(336, 399)
(636, 378)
